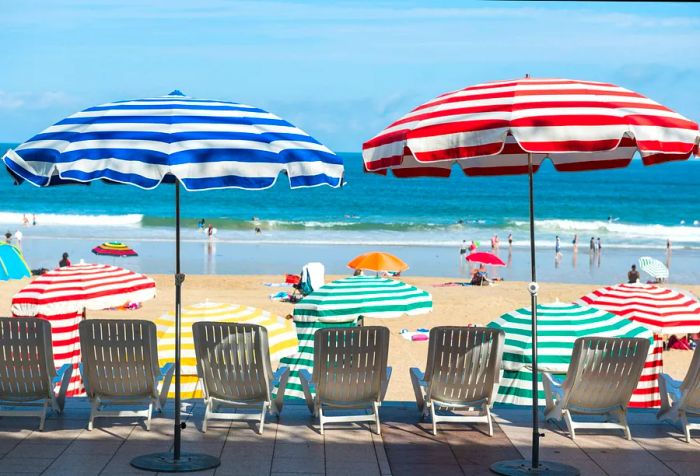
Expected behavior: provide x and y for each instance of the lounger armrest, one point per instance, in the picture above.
(278, 374)
(418, 374)
(306, 380)
(168, 368)
(554, 384)
(385, 384)
(419, 385)
(63, 376)
(166, 376)
(673, 387)
(279, 380)
(61, 372)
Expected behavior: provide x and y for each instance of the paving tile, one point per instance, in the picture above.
(81, 447)
(422, 469)
(298, 465)
(352, 468)
(25, 465)
(616, 455)
(85, 464)
(252, 466)
(27, 449)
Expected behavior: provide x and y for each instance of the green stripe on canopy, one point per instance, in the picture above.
(558, 327)
(369, 296)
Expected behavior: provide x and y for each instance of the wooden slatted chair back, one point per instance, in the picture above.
(350, 364)
(464, 363)
(233, 360)
(26, 359)
(604, 372)
(120, 357)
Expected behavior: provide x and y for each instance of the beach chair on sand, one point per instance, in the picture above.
(462, 373)
(120, 368)
(233, 361)
(350, 372)
(28, 376)
(603, 373)
(679, 400)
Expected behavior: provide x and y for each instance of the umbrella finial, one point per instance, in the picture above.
(177, 92)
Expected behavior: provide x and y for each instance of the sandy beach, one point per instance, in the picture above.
(452, 306)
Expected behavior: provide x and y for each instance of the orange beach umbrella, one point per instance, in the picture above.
(378, 261)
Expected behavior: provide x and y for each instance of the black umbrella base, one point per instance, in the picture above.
(517, 467)
(166, 463)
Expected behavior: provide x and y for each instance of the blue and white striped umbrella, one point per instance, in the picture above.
(205, 144)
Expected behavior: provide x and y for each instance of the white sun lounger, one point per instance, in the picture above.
(679, 400)
(462, 373)
(120, 368)
(603, 373)
(350, 371)
(28, 376)
(233, 361)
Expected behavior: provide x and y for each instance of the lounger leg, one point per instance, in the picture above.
(207, 411)
(433, 417)
(622, 418)
(319, 410)
(376, 417)
(684, 425)
(262, 417)
(42, 418)
(148, 418)
(569, 423)
(487, 412)
(93, 411)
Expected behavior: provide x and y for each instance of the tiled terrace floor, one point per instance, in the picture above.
(294, 445)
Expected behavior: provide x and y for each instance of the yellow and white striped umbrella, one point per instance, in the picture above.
(281, 335)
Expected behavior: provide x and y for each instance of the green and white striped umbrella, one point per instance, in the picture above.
(558, 327)
(339, 304)
(370, 296)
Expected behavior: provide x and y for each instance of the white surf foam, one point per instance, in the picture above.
(71, 220)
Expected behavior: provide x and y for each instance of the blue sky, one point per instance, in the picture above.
(340, 70)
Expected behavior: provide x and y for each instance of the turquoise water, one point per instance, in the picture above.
(648, 204)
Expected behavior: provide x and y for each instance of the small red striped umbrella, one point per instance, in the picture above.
(114, 248)
(485, 258)
(662, 310)
(61, 295)
(510, 127)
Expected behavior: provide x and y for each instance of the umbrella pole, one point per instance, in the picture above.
(177, 462)
(533, 466)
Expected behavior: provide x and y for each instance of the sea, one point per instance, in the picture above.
(634, 211)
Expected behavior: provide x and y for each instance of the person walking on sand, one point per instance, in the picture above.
(510, 240)
(462, 251)
(557, 246)
(592, 249)
(575, 243)
(599, 246)
(472, 247)
(8, 237)
(33, 219)
(210, 231)
(25, 220)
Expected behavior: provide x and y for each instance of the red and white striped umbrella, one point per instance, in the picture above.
(61, 295)
(488, 129)
(662, 310)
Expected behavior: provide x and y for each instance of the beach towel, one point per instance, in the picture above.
(452, 283)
